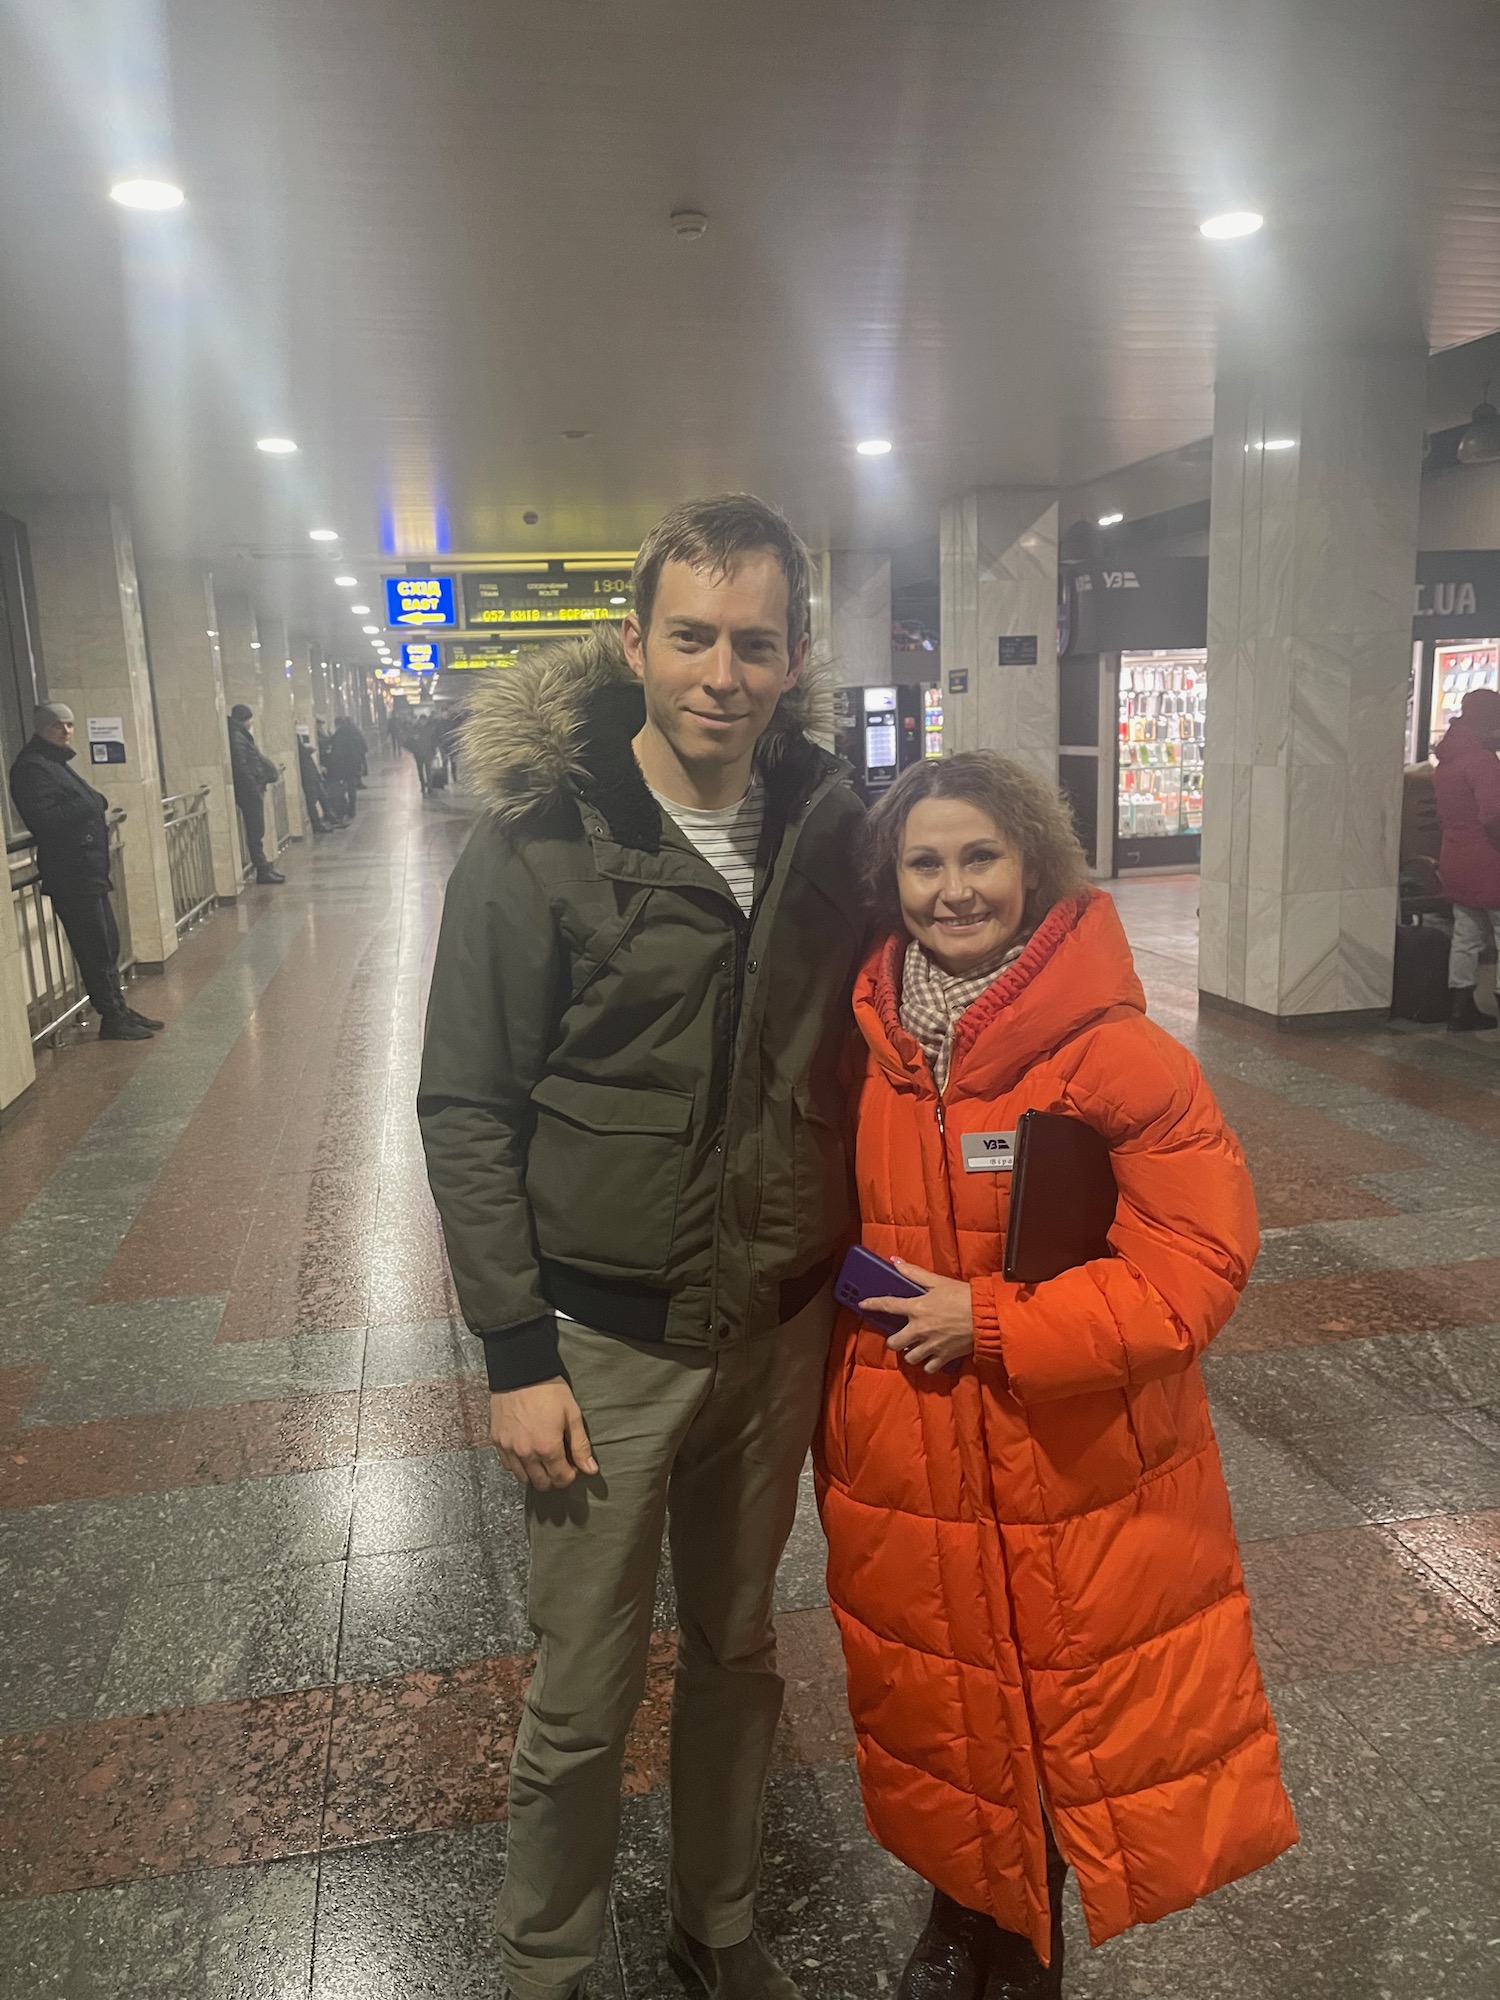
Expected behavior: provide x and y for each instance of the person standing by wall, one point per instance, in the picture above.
(345, 761)
(252, 772)
(69, 821)
(1466, 786)
(632, 1109)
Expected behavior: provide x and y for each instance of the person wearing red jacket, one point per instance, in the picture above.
(1466, 786)
(1031, 1557)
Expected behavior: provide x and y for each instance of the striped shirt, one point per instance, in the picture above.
(728, 837)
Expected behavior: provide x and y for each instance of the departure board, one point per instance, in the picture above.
(552, 593)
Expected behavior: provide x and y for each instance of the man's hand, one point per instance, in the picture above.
(540, 1434)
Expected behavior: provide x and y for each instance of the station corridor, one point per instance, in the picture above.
(262, 1629)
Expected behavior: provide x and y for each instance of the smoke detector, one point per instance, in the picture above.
(688, 224)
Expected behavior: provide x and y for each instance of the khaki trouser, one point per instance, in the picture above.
(711, 1443)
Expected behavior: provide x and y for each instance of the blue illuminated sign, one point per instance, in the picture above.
(421, 656)
(420, 600)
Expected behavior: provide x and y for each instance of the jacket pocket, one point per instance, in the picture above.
(821, 1188)
(604, 1173)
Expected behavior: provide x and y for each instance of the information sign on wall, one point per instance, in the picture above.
(958, 681)
(106, 739)
(420, 600)
(1018, 649)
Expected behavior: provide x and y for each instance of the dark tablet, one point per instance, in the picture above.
(1062, 1199)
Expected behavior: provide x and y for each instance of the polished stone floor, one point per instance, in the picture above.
(262, 1640)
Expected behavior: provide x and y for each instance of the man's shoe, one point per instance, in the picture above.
(1465, 1015)
(951, 1959)
(269, 876)
(121, 1028)
(144, 1020)
(744, 1971)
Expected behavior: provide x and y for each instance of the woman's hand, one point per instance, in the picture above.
(939, 1329)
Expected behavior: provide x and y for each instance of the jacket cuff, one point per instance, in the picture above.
(522, 1355)
(989, 1345)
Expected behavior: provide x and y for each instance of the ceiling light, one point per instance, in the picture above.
(1479, 441)
(276, 447)
(360, 610)
(1280, 444)
(322, 534)
(688, 224)
(369, 628)
(255, 645)
(347, 582)
(619, 600)
(873, 447)
(157, 196)
(1110, 520)
(1234, 222)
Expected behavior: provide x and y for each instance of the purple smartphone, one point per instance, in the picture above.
(866, 1276)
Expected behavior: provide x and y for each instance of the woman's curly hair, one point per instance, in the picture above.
(1032, 815)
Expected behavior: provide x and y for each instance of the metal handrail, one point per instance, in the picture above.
(54, 991)
(190, 857)
(279, 815)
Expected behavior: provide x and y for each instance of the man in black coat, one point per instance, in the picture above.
(252, 772)
(69, 821)
(345, 760)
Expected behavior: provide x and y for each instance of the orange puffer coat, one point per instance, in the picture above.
(1032, 1561)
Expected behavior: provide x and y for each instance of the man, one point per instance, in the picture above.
(252, 772)
(631, 1106)
(320, 815)
(69, 821)
(345, 761)
(1466, 787)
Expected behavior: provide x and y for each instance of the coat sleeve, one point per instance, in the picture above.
(1487, 790)
(1184, 1237)
(496, 987)
(49, 809)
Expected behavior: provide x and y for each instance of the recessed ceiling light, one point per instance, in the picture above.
(157, 196)
(255, 645)
(360, 610)
(1234, 222)
(347, 582)
(276, 447)
(619, 600)
(873, 447)
(1280, 444)
(322, 534)
(1110, 520)
(369, 628)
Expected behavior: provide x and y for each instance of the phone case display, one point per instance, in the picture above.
(1163, 701)
(1467, 663)
(932, 722)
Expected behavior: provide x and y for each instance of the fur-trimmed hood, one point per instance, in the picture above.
(557, 728)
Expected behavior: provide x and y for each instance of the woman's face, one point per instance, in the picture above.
(963, 887)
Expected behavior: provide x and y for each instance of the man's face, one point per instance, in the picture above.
(715, 661)
(58, 732)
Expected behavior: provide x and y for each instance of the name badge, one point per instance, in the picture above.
(989, 1152)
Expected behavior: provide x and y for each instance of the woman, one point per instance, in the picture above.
(1030, 1551)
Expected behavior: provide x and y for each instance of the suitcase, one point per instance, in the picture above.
(1419, 990)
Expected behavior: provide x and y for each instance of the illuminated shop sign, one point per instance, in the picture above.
(420, 600)
(421, 656)
(548, 593)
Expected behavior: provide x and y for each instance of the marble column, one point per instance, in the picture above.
(277, 734)
(998, 579)
(17, 1066)
(304, 661)
(859, 617)
(1312, 556)
(94, 643)
(187, 674)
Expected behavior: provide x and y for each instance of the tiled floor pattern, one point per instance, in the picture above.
(262, 1631)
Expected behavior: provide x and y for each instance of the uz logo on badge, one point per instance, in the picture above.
(989, 1152)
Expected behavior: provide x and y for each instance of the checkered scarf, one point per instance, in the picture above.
(932, 1000)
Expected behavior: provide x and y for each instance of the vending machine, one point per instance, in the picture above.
(878, 732)
(1163, 704)
(932, 722)
(1458, 665)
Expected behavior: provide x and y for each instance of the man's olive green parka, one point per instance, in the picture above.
(631, 1099)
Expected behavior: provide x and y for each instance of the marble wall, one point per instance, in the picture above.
(859, 617)
(1312, 558)
(187, 673)
(94, 643)
(998, 574)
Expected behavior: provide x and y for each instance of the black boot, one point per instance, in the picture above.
(1465, 1015)
(268, 875)
(121, 1028)
(951, 1958)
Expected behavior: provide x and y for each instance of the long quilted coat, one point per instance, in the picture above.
(1032, 1561)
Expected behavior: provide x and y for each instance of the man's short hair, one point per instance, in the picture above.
(712, 536)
